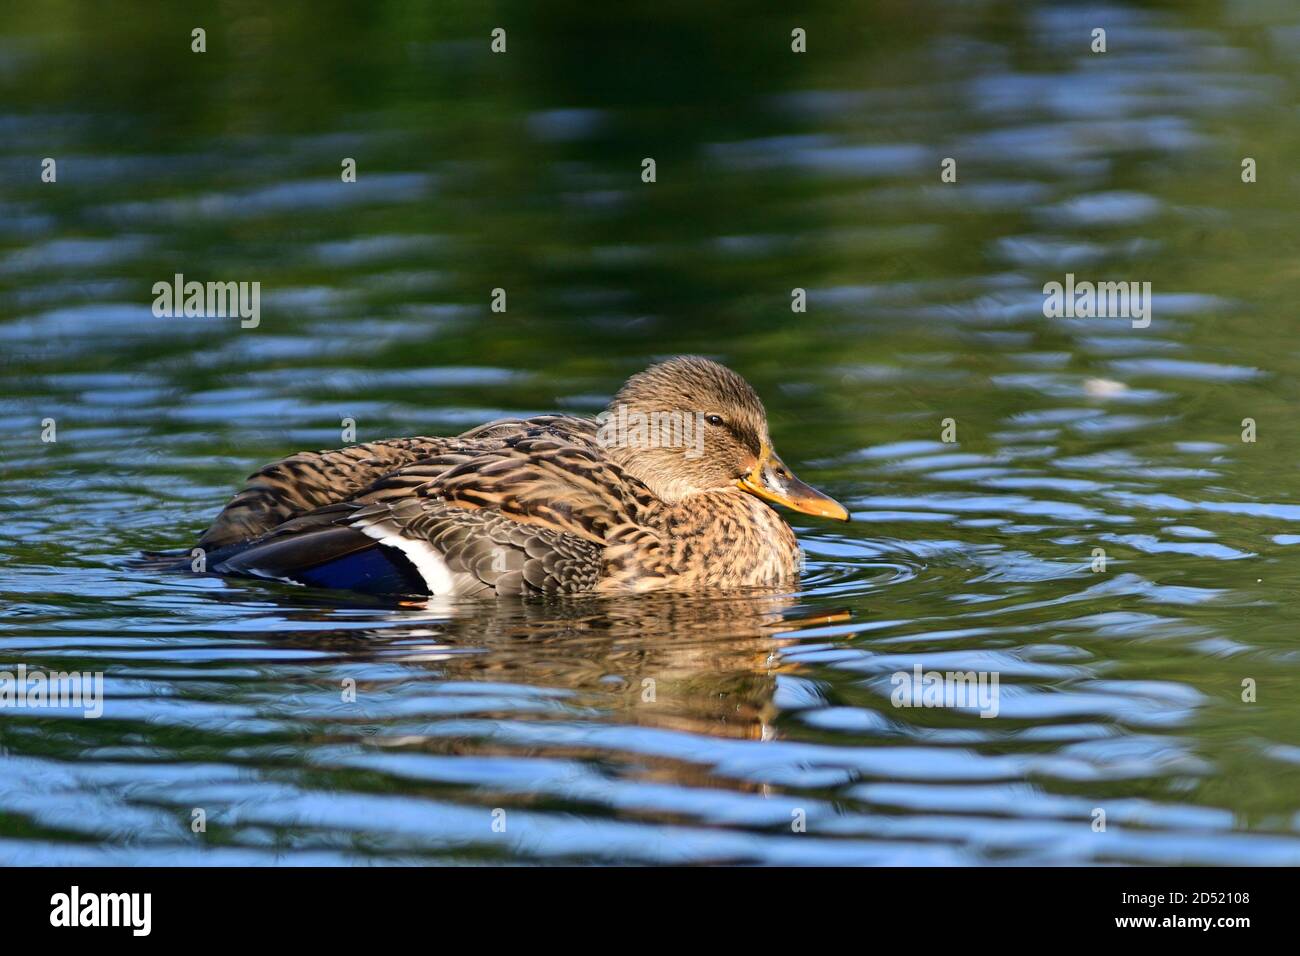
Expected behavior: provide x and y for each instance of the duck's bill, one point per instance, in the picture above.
(772, 481)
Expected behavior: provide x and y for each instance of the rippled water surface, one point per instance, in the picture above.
(665, 729)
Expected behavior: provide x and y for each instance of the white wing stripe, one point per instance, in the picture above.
(437, 576)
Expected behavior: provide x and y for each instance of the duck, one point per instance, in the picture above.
(672, 487)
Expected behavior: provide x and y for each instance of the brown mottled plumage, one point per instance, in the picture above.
(551, 504)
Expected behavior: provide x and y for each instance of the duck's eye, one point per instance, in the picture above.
(713, 419)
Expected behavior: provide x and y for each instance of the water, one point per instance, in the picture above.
(1120, 689)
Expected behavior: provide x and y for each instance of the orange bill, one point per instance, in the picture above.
(772, 481)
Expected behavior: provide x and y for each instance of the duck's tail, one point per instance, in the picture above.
(177, 560)
(313, 550)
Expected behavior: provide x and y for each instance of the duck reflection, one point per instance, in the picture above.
(691, 662)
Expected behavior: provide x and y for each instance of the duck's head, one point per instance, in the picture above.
(689, 425)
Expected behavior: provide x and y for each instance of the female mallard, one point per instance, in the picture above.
(667, 489)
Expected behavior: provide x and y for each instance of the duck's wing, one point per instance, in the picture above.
(404, 548)
(542, 481)
(532, 513)
(306, 481)
(309, 480)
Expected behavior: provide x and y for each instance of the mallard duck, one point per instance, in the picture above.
(671, 487)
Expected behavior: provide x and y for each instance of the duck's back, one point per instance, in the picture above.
(513, 506)
(308, 480)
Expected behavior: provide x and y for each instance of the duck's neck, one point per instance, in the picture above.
(730, 539)
(661, 474)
